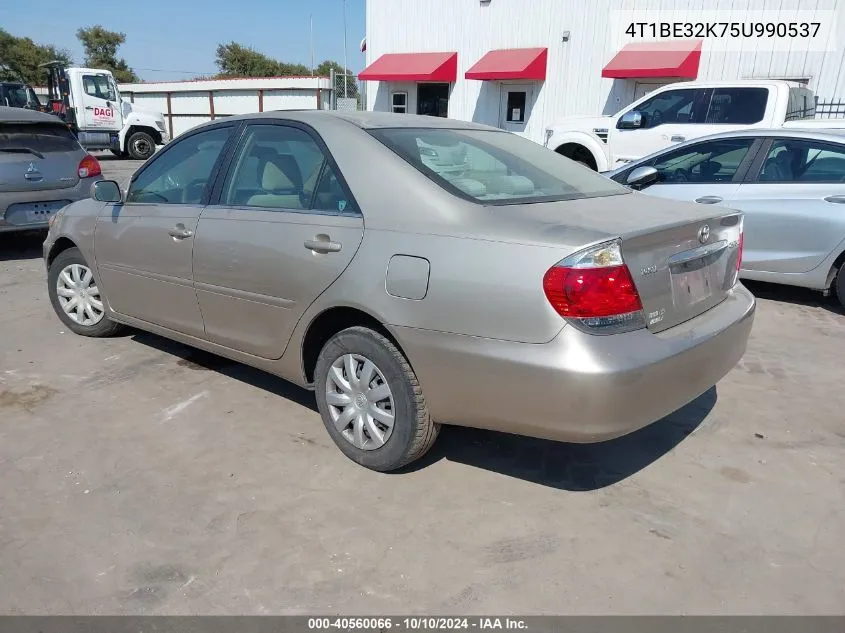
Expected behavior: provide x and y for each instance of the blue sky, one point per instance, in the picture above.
(164, 38)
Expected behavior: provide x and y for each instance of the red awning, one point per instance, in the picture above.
(511, 63)
(669, 58)
(413, 67)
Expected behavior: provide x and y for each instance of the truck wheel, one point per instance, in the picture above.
(118, 153)
(141, 146)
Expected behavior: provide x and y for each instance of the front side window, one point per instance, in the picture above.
(100, 86)
(804, 161)
(737, 105)
(181, 174)
(494, 167)
(708, 162)
(282, 167)
(672, 106)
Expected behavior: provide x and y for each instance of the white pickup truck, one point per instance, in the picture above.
(679, 112)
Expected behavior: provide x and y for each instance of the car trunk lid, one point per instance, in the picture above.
(684, 270)
(38, 156)
(681, 256)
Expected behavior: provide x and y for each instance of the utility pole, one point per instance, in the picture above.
(345, 65)
(311, 19)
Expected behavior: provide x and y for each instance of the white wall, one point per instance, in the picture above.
(190, 104)
(574, 84)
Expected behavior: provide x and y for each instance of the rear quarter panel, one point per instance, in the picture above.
(476, 287)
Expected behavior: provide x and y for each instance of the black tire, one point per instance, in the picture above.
(118, 153)
(413, 432)
(104, 327)
(140, 146)
(839, 286)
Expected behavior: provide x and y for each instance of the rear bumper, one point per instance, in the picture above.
(578, 387)
(13, 213)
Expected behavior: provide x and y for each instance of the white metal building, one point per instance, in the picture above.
(189, 103)
(522, 64)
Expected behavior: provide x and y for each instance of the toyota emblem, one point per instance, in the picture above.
(704, 234)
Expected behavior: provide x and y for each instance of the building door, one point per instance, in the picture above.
(642, 88)
(433, 99)
(514, 106)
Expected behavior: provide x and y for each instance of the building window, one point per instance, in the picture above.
(399, 102)
(516, 107)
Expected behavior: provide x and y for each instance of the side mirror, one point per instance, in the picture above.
(106, 191)
(642, 177)
(630, 120)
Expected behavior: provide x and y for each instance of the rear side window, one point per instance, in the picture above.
(40, 137)
(804, 161)
(495, 168)
(737, 105)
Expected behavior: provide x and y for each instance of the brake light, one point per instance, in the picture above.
(594, 289)
(739, 251)
(88, 167)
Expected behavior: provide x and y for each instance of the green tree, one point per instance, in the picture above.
(21, 58)
(236, 60)
(101, 52)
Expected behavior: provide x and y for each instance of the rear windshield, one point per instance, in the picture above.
(40, 137)
(496, 168)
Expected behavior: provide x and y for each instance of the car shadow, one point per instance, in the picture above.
(199, 360)
(21, 245)
(794, 295)
(566, 466)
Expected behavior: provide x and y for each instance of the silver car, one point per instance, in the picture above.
(412, 271)
(790, 184)
(42, 169)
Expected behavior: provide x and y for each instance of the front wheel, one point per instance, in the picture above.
(75, 296)
(371, 402)
(141, 146)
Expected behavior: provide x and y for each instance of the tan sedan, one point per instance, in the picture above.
(412, 271)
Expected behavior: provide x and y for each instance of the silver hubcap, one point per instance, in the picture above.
(141, 146)
(78, 295)
(360, 402)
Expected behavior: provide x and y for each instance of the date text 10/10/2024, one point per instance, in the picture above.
(419, 623)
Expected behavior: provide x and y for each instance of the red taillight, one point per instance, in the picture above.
(594, 290)
(88, 167)
(591, 292)
(739, 251)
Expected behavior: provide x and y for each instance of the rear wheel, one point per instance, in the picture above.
(371, 402)
(76, 298)
(141, 146)
(839, 285)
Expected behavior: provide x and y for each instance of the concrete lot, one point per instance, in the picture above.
(139, 476)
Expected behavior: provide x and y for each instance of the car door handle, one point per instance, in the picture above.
(322, 246)
(836, 199)
(678, 139)
(708, 200)
(180, 232)
(89, 107)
